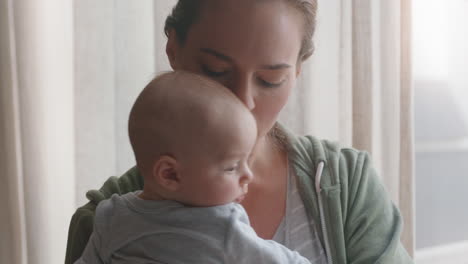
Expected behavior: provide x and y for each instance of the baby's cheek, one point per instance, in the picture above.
(227, 190)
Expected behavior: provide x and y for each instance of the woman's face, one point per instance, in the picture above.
(251, 47)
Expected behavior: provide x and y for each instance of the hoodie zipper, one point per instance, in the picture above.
(318, 177)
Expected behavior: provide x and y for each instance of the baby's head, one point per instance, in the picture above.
(192, 138)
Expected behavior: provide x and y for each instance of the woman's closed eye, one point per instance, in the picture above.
(267, 79)
(270, 84)
(271, 78)
(213, 73)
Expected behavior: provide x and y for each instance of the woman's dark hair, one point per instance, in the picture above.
(185, 13)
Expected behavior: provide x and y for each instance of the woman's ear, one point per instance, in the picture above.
(172, 49)
(166, 173)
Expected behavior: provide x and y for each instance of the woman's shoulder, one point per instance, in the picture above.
(342, 163)
(315, 150)
(130, 181)
(324, 149)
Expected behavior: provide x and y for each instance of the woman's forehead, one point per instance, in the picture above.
(242, 29)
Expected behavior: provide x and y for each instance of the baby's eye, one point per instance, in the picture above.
(231, 168)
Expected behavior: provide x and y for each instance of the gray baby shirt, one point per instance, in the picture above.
(128, 229)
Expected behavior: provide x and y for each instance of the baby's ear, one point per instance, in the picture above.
(166, 173)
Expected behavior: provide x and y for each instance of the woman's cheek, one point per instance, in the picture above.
(268, 108)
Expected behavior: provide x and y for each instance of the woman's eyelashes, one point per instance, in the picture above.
(213, 73)
(269, 84)
(221, 73)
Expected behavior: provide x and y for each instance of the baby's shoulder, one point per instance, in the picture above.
(108, 207)
(220, 212)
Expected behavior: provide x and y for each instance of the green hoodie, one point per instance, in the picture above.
(358, 222)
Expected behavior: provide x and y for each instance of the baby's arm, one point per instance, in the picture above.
(242, 245)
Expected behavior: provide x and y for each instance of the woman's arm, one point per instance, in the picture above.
(373, 224)
(81, 224)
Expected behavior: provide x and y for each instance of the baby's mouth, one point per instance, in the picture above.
(239, 199)
(245, 189)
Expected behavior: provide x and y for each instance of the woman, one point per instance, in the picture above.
(312, 196)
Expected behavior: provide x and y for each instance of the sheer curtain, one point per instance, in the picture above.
(70, 71)
(357, 89)
(37, 130)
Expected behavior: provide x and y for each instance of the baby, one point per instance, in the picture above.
(192, 139)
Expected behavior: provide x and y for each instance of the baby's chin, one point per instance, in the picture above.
(211, 203)
(239, 199)
(214, 202)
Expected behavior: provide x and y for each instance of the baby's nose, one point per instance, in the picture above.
(248, 175)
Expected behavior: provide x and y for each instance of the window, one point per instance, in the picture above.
(441, 126)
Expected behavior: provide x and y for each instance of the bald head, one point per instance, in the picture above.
(179, 113)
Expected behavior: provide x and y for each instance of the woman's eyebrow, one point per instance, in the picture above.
(278, 66)
(221, 56)
(216, 54)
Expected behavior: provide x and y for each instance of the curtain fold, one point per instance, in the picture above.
(357, 89)
(407, 150)
(36, 129)
(12, 218)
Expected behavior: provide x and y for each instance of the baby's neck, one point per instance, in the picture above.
(151, 196)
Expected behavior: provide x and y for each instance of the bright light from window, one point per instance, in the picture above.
(440, 46)
(430, 42)
(440, 57)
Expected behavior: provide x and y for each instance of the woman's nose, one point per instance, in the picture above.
(244, 90)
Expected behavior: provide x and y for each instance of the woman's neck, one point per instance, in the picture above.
(267, 156)
(265, 202)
